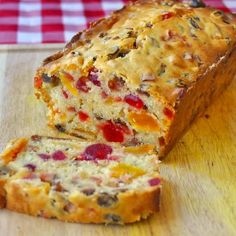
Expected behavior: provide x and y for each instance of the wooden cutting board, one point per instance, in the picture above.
(199, 193)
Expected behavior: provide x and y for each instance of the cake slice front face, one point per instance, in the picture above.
(79, 181)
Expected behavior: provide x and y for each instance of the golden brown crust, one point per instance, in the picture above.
(199, 96)
(131, 207)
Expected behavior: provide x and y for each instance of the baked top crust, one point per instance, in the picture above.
(79, 181)
(159, 46)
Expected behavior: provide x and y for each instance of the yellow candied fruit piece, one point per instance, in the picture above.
(142, 149)
(125, 169)
(143, 121)
(68, 84)
(72, 67)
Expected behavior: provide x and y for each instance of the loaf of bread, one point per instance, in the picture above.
(78, 181)
(142, 75)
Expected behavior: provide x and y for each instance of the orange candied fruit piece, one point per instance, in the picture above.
(143, 121)
(125, 169)
(141, 149)
(38, 82)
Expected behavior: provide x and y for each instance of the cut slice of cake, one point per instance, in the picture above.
(141, 75)
(79, 181)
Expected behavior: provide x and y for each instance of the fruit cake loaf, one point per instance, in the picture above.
(141, 75)
(79, 181)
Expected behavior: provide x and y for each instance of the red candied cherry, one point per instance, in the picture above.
(45, 157)
(38, 82)
(31, 167)
(98, 151)
(134, 101)
(93, 76)
(81, 84)
(168, 113)
(58, 156)
(167, 15)
(83, 116)
(65, 94)
(154, 181)
(114, 132)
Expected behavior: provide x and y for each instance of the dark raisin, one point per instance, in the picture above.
(112, 218)
(88, 191)
(225, 19)
(106, 200)
(161, 70)
(36, 137)
(132, 34)
(207, 116)
(116, 37)
(69, 207)
(194, 23)
(46, 78)
(76, 53)
(102, 35)
(149, 25)
(113, 55)
(218, 13)
(141, 91)
(60, 128)
(181, 84)
(98, 117)
(123, 54)
(197, 3)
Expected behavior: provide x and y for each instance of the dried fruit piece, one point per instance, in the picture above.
(47, 177)
(154, 181)
(167, 15)
(93, 76)
(106, 200)
(162, 141)
(83, 116)
(81, 84)
(98, 151)
(65, 94)
(116, 83)
(134, 101)
(68, 84)
(88, 191)
(168, 113)
(143, 121)
(125, 169)
(38, 82)
(58, 156)
(114, 132)
(45, 157)
(141, 149)
(71, 109)
(112, 218)
(31, 167)
(60, 127)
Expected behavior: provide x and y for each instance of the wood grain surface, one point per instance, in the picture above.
(199, 193)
